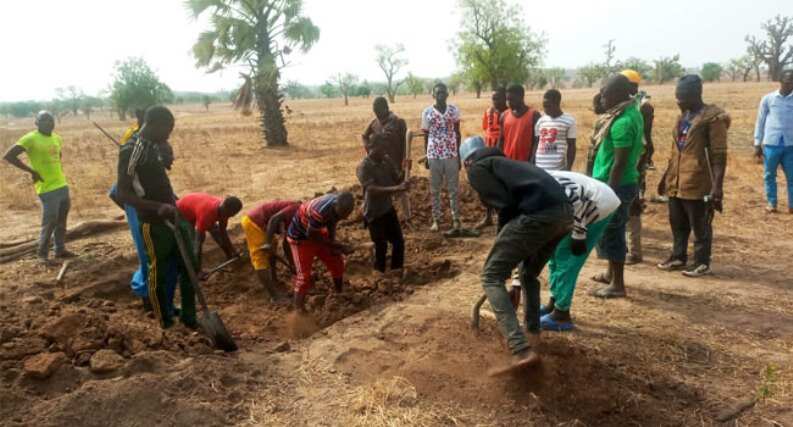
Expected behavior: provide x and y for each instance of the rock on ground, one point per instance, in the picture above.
(104, 361)
(42, 365)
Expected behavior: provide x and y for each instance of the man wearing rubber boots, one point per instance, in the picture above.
(534, 214)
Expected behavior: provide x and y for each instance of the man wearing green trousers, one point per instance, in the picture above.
(593, 204)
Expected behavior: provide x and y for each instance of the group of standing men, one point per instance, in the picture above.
(521, 170)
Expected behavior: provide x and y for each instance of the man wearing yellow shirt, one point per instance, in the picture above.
(43, 148)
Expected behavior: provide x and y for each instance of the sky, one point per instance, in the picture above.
(47, 44)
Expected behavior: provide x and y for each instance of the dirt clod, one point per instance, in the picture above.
(43, 365)
(104, 361)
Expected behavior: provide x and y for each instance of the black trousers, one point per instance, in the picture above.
(686, 216)
(384, 230)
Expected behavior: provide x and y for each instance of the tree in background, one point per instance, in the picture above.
(555, 76)
(364, 90)
(610, 50)
(70, 97)
(328, 90)
(775, 50)
(637, 64)
(390, 59)
(455, 83)
(495, 47)
(414, 85)
(89, 103)
(296, 90)
(135, 85)
(588, 75)
(739, 68)
(257, 34)
(711, 72)
(205, 101)
(345, 82)
(667, 69)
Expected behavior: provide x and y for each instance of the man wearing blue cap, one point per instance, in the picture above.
(534, 214)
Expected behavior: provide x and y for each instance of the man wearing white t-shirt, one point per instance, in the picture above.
(556, 135)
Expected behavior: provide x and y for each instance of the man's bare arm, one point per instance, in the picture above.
(12, 157)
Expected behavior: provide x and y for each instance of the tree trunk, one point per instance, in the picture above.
(269, 102)
(478, 92)
(346, 101)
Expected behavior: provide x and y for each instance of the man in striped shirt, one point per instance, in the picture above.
(556, 135)
(312, 234)
(593, 203)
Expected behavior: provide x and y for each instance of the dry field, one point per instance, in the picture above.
(675, 352)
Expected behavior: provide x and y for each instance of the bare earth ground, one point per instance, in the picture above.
(675, 352)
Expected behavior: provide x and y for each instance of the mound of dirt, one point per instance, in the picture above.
(84, 351)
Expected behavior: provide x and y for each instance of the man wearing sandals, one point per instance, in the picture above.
(618, 147)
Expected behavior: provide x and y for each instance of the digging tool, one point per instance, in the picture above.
(222, 265)
(209, 321)
(62, 272)
(110, 137)
(276, 257)
(407, 169)
(475, 312)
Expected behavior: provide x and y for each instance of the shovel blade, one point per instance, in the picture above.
(214, 328)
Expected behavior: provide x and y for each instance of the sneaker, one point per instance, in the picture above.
(771, 209)
(672, 265)
(434, 227)
(697, 271)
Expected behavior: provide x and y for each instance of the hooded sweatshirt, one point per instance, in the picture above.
(513, 187)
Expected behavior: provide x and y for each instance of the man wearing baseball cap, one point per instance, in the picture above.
(634, 237)
(534, 214)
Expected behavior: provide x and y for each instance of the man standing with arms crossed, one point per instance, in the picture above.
(773, 139)
(43, 148)
(441, 125)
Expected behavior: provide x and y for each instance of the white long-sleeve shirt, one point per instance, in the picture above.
(592, 200)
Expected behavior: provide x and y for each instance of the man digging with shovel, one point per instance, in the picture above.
(312, 234)
(143, 183)
(534, 214)
(260, 225)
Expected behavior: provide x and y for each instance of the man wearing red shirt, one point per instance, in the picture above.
(208, 213)
(260, 225)
(517, 126)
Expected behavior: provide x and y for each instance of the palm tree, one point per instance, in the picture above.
(256, 34)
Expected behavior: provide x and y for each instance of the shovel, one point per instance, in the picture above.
(209, 321)
(223, 265)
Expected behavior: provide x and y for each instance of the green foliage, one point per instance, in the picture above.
(667, 69)
(21, 108)
(555, 76)
(637, 64)
(414, 85)
(328, 90)
(296, 90)
(390, 60)
(776, 51)
(590, 74)
(495, 46)
(135, 85)
(257, 34)
(345, 82)
(70, 98)
(364, 90)
(711, 72)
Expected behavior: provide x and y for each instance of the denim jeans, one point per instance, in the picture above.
(54, 212)
(613, 246)
(527, 241)
(774, 156)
